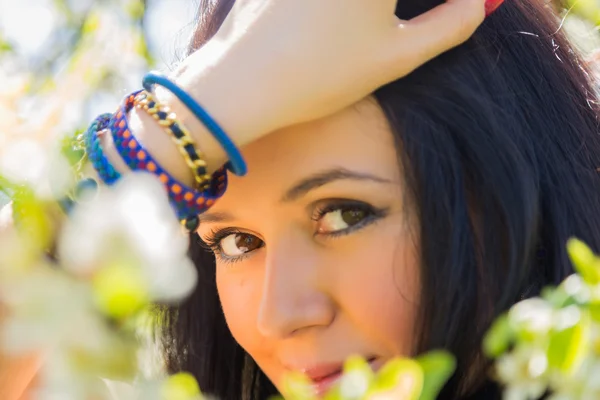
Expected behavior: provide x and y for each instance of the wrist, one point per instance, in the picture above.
(155, 140)
(236, 98)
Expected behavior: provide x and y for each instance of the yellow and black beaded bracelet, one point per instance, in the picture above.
(180, 135)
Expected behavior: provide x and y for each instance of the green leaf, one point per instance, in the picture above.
(438, 367)
(356, 363)
(588, 9)
(31, 218)
(400, 378)
(135, 9)
(594, 304)
(498, 338)
(586, 263)
(181, 386)
(62, 6)
(91, 24)
(556, 296)
(297, 386)
(569, 339)
(141, 48)
(120, 290)
(72, 148)
(5, 47)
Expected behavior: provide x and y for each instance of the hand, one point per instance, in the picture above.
(281, 62)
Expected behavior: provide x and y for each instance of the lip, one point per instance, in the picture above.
(322, 371)
(325, 376)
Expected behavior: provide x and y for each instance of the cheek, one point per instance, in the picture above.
(377, 289)
(240, 296)
(372, 279)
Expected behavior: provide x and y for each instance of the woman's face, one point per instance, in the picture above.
(316, 248)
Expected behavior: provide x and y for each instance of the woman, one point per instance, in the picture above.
(273, 91)
(384, 225)
(403, 223)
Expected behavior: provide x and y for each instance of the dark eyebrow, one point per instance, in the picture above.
(323, 178)
(215, 217)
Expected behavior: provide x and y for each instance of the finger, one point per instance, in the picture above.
(440, 29)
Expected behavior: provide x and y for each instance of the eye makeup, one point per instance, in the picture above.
(333, 218)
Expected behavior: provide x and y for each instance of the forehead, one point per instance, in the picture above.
(357, 138)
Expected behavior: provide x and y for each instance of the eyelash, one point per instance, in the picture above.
(213, 241)
(372, 214)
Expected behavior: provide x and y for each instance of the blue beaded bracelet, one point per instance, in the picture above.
(236, 162)
(187, 202)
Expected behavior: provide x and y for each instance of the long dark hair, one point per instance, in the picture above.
(499, 143)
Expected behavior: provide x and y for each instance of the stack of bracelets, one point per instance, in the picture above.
(188, 202)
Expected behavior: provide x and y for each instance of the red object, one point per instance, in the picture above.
(321, 371)
(491, 6)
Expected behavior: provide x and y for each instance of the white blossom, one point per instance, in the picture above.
(133, 222)
(523, 372)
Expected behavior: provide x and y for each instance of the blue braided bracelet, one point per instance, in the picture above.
(94, 151)
(236, 162)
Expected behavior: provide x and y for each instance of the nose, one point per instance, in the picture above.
(294, 296)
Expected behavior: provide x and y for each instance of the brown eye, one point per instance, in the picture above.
(353, 217)
(237, 244)
(341, 219)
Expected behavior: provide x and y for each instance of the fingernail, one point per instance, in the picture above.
(491, 6)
